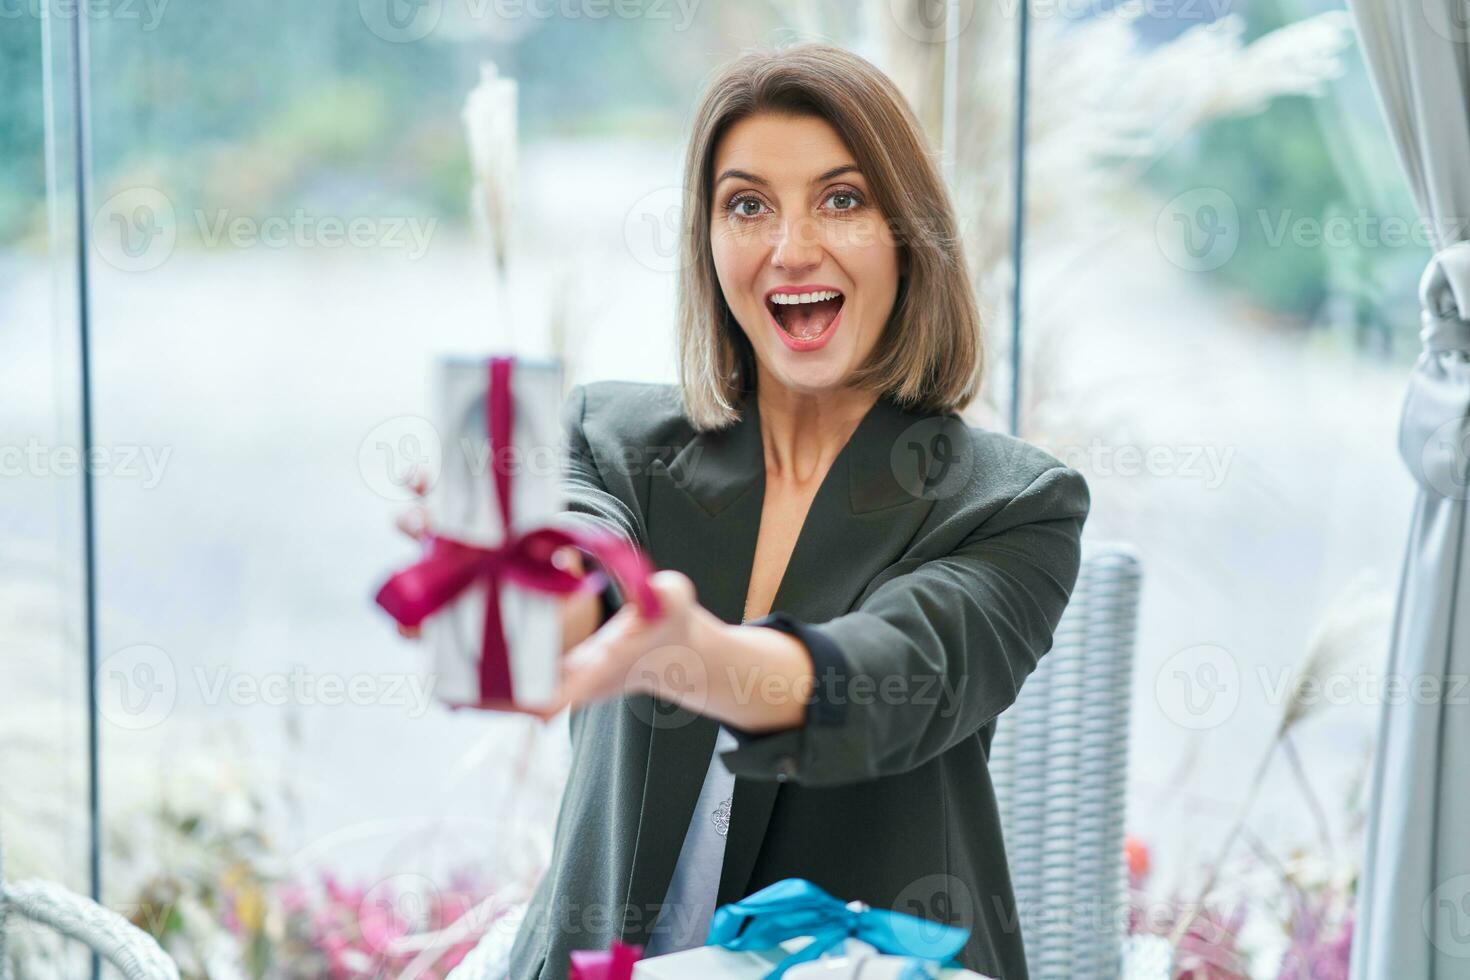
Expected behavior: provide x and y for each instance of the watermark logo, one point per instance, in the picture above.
(1445, 459)
(135, 230)
(398, 906)
(398, 453)
(401, 21)
(676, 681)
(933, 458)
(1450, 21)
(940, 900)
(1199, 687)
(652, 229)
(137, 687)
(1199, 230)
(1446, 917)
(932, 21)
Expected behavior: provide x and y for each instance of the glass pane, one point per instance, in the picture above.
(44, 811)
(286, 238)
(957, 63)
(1220, 314)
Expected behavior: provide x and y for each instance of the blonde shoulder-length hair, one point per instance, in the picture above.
(930, 356)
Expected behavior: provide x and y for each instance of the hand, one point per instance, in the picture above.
(633, 654)
(414, 522)
(580, 612)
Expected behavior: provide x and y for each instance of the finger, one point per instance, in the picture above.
(627, 621)
(590, 672)
(570, 558)
(578, 675)
(673, 592)
(412, 632)
(413, 522)
(419, 482)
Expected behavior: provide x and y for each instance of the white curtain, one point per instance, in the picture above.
(1414, 894)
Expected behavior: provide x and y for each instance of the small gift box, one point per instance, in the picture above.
(488, 587)
(796, 931)
(463, 506)
(614, 963)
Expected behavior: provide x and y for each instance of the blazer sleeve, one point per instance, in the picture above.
(589, 503)
(936, 649)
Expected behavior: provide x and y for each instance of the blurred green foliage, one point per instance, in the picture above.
(227, 104)
(1273, 165)
(22, 126)
(232, 104)
(1293, 167)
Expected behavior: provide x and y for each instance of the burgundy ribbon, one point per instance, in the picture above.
(614, 963)
(522, 558)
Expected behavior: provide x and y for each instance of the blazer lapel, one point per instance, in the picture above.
(704, 517)
(704, 509)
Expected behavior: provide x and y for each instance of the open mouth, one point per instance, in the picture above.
(804, 316)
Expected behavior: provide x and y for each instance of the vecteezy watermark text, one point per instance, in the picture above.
(137, 229)
(139, 687)
(39, 459)
(1207, 464)
(301, 229)
(406, 21)
(148, 13)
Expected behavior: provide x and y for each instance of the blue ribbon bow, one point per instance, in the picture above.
(796, 907)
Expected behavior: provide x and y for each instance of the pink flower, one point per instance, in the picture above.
(1318, 951)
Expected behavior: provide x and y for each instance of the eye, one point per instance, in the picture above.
(845, 200)
(745, 206)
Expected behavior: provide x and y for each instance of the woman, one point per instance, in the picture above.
(856, 583)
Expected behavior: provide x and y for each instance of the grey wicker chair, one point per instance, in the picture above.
(131, 950)
(1059, 762)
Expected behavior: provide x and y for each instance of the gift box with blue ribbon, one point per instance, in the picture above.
(793, 930)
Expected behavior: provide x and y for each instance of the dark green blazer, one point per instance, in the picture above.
(937, 557)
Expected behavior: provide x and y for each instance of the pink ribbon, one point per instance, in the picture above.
(523, 558)
(614, 963)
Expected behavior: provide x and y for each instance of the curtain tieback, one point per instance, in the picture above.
(1444, 294)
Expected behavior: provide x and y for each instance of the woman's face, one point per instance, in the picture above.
(801, 250)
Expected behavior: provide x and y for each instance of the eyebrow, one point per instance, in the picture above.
(819, 178)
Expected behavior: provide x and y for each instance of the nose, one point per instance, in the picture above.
(796, 247)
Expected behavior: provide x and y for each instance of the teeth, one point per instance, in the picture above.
(791, 299)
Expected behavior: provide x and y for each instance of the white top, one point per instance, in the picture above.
(684, 919)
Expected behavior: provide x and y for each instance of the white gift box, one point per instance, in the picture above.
(718, 963)
(462, 506)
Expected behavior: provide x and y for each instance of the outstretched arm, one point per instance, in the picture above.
(935, 651)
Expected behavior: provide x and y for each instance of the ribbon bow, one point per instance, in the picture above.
(796, 907)
(449, 567)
